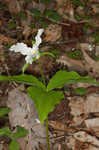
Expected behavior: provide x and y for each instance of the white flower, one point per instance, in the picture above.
(90, 48)
(28, 51)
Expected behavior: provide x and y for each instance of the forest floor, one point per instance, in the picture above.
(71, 33)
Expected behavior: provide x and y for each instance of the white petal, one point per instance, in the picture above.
(37, 55)
(29, 59)
(22, 48)
(35, 47)
(38, 37)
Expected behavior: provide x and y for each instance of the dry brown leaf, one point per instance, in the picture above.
(0, 22)
(57, 125)
(39, 6)
(97, 50)
(91, 65)
(81, 105)
(65, 9)
(5, 39)
(75, 65)
(27, 31)
(92, 103)
(28, 20)
(91, 147)
(75, 144)
(52, 33)
(95, 8)
(92, 123)
(80, 10)
(84, 137)
(14, 6)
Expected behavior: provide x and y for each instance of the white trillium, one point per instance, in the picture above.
(28, 51)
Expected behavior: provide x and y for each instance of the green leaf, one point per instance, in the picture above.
(5, 132)
(48, 12)
(21, 132)
(44, 101)
(26, 79)
(76, 54)
(47, 53)
(4, 111)
(80, 91)
(36, 12)
(12, 24)
(32, 26)
(14, 145)
(53, 15)
(63, 77)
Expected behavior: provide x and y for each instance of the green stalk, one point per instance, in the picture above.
(42, 74)
(47, 136)
(43, 79)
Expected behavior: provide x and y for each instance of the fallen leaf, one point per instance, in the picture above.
(57, 125)
(97, 50)
(75, 65)
(27, 31)
(92, 123)
(52, 33)
(80, 10)
(95, 8)
(84, 137)
(14, 6)
(23, 113)
(91, 65)
(81, 105)
(65, 9)
(92, 103)
(5, 39)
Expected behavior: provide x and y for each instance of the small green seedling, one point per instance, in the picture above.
(75, 54)
(12, 25)
(20, 133)
(87, 25)
(96, 37)
(96, 58)
(4, 111)
(6, 132)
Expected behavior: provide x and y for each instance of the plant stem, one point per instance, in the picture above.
(47, 136)
(43, 79)
(42, 74)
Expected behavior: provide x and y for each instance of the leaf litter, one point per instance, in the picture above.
(74, 123)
